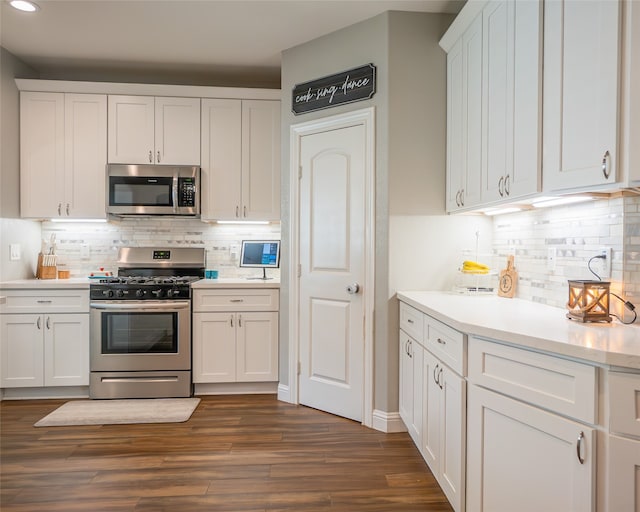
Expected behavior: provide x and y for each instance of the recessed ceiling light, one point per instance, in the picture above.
(24, 5)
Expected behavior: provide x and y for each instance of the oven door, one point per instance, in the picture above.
(140, 335)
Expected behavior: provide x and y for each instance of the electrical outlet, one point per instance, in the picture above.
(604, 264)
(234, 251)
(551, 258)
(15, 252)
(85, 251)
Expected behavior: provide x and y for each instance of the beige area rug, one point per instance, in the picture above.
(107, 412)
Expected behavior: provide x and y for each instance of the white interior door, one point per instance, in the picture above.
(332, 270)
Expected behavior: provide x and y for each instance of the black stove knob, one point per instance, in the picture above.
(119, 293)
(107, 293)
(139, 292)
(157, 293)
(173, 293)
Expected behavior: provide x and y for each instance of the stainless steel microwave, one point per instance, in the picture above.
(153, 190)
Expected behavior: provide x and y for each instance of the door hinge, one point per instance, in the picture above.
(300, 172)
(299, 368)
(299, 269)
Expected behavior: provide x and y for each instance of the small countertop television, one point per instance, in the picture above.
(262, 254)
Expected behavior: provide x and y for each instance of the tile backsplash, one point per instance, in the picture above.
(576, 233)
(85, 247)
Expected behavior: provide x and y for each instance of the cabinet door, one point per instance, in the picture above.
(257, 347)
(455, 126)
(431, 442)
(85, 155)
(131, 129)
(511, 99)
(581, 59)
(21, 350)
(221, 159)
(406, 381)
(417, 417)
(42, 180)
(177, 131)
(66, 350)
(260, 160)
(472, 112)
(624, 475)
(451, 475)
(514, 450)
(214, 347)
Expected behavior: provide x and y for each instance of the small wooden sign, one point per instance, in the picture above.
(353, 85)
(508, 280)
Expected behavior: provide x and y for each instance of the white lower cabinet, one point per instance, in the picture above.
(44, 350)
(235, 335)
(411, 400)
(624, 475)
(443, 431)
(522, 458)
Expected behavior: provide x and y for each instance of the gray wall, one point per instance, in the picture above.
(12, 228)
(403, 47)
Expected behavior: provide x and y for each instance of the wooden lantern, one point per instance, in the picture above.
(589, 301)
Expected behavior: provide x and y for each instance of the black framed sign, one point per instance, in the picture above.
(353, 85)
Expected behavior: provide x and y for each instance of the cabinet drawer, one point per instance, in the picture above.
(624, 400)
(45, 301)
(236, 300)
(447, 344)
(411, 322)
(566, 387)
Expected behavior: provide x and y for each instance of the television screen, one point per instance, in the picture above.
(260, 253)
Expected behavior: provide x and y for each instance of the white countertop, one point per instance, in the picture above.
(531, 325)
(25, 284)
(235, 282)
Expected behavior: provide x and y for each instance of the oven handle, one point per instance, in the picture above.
(141, 306)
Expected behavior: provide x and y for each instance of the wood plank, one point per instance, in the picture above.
(236, 453)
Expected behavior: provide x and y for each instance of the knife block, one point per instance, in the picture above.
(45, 272)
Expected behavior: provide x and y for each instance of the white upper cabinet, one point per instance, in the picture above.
(148, 130)
(493, 103)
(464, 119)
(63, 150)
(511, 99)
(240, 159)
(581, 85)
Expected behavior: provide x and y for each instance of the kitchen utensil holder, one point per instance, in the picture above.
(46, 267)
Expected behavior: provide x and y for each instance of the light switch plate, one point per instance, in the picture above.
(15, 252)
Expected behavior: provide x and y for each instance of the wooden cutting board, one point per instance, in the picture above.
(508, 280)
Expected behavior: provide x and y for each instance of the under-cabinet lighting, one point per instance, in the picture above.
(24, 5)
(500, 211)
(242, 221)
(544, 202)
(78, 220)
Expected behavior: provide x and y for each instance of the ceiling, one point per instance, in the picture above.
(232, 42)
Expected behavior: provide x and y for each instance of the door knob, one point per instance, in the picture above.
(353, 288)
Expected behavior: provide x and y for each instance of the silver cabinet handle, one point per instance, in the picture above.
(158, 156)
(410, 353)
(461, 197)
(440, 378)
(67, 209)
(501, 186)
(458, 198)
(231, 319)
(44, 301)
(435, 377)
(244, 208)
(409, 321)
(441, 341)
(507, 180)
(59, 208)
(48, 323)
(239, 320)
(352, 289)
(236, 300)
(579, 447)
(38, 324)
(606, 164)
(150, 156)
(237, 211)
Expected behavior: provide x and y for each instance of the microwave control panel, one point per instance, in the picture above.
(186, 192)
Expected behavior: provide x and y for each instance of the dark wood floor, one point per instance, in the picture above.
(248, 453)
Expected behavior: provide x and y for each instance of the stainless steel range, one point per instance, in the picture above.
(141, 324)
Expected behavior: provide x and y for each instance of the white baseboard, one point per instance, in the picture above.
(284, 393)
(235, 388)
(388, 422)
(62, 392)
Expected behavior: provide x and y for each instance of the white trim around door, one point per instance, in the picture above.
(365, 117)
